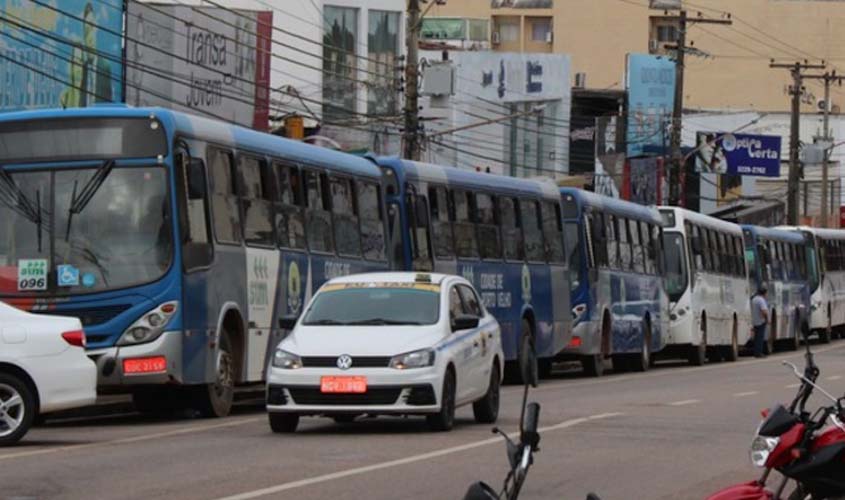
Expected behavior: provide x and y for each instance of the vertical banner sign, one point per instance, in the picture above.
(67, 55)
(650, 81)
(738, 154)
(208, 61)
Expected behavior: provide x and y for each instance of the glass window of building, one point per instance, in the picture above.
(340, 36)
(383, 47)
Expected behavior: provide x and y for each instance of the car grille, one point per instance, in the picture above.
(373, 396)
(357, 361)
(89, 316)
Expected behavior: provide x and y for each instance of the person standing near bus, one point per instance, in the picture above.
(759, 318)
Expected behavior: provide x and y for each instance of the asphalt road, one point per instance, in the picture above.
(673, 433)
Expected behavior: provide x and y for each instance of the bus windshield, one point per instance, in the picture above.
(572, 247)
(676, 266)
(81, 230)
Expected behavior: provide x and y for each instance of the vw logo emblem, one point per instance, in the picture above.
(344, 362)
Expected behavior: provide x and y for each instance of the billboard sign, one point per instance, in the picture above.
(650, 81)
(738, 154)
(208, 61)
(66, 55)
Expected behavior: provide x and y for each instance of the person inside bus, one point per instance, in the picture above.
(759, 318)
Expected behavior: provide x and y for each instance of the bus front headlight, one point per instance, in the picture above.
(150, 325)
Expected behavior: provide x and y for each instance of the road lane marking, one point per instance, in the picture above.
(272, 490)
(746, 394)
(834, 377)
(793, 386)
(132, 439)
(685, 402)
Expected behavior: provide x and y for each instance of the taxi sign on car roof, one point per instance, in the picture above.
(429, 287)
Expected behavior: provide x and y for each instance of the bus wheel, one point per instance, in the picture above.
(641, 361)
(794, 343)
(697, 355)
(513, 373)
(215, 399)
(770, 340)
(825, 333)
(731, 352)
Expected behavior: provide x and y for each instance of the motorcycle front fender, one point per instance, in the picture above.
(746, 491)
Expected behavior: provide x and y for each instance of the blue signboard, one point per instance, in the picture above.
(651, 96)
(738, 154)
(60, 54)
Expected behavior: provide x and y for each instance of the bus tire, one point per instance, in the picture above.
(697, 354)
(825, 333)
(214, 400)
(730, 352)
(772, 331)
(513, 373)
(794, 343)
(641, 361)
(593, 365)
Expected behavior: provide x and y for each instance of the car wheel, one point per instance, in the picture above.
(445, 418)
(593, 365)
(283, 423)
(486, 409)
(215, 399)
(17, 409)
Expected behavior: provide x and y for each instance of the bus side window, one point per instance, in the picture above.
(290, 219)
(637, 264)
(256, 204)
(723, 254)
(511, 231)
(649, 252)
(489, 243)
(417, 213)
(441, 223)
(531, 226)
(224, 201)
(624, 245)
(318, 217)
(465, 239)
(372, 226)
(595, 224)
(612, 244)
(192, 196)
(553, 231)
(345, 214)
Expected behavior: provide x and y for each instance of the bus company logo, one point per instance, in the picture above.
(294, 289)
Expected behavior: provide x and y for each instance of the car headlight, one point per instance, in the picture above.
(150, 325)
(286, 360)
(761, 448)
(416, 359)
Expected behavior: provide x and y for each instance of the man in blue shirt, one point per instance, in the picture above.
(759, 319)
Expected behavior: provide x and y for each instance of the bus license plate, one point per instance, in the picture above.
(343, 385)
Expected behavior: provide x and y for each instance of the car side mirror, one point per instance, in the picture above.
(464, 322)
(287, 322)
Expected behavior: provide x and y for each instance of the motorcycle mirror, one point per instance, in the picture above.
(809, 382)
(528, 363)
(530, 436)
(480, 491)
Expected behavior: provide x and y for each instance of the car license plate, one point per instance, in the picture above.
(343, 385)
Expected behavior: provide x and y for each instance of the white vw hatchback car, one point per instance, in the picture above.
(388, 344)
(43, 368)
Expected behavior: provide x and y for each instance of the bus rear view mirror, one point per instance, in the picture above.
(287, 322)
(196, 180)
(420, 213)
(697, 248)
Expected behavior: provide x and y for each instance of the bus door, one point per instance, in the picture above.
(419, 235)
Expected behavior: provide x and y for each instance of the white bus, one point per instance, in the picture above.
(826, 279)
(708, 287)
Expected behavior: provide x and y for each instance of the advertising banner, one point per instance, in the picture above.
(650, 81)
(209, 61)
(66, 55)
(738, 154)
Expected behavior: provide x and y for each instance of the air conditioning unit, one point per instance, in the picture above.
(821, 105)
(549, 37)
(580, 80)
(495, 38)
(653, 46)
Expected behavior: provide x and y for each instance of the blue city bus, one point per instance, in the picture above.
(619, 304)
(180, 242)
(778, 260)
(503, 234)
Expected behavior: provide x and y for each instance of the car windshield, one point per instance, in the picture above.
(374, 306)
(84, 229)
(676, 267)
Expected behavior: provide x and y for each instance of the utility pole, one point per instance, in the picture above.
(677, 165)
(412, 111)
(828, 78)
(796, 90)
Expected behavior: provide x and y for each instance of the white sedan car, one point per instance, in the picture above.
(43, 368)
(388, 344)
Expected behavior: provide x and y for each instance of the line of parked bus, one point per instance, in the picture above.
(239, 228)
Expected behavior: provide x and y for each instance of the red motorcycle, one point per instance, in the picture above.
(806, 448)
